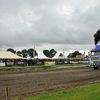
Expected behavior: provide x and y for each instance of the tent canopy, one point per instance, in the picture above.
(42, 56)
(8, 55)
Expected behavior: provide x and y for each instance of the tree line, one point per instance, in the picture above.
(24, 52)
(47, 53)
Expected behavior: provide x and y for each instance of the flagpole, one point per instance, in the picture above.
(83, 53)
(63, 53)
(34, 52)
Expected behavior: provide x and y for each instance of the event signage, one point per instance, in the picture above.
(48, 63)
(10, 63)
(39, 63)
(2, 63)
(20, 63)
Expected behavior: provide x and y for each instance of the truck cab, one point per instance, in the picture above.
(95, 57)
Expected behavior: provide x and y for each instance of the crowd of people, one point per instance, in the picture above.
(32, 62)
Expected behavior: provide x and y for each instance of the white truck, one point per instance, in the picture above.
(95, 57)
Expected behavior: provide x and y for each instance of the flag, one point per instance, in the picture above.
(34, 52)
(63, 53)
(84, 53)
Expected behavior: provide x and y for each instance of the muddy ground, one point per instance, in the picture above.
(33, 83)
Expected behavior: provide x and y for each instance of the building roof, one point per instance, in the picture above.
(9, 55)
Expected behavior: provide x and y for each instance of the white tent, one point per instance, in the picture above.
(56, 56)
(42, 56)
(9, 55)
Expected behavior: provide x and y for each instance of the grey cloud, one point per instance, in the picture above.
(29, 22)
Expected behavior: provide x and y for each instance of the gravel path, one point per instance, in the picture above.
(33, 83)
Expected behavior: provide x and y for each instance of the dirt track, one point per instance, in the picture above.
(27, 84)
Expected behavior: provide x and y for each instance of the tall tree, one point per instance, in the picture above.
(60, 54)
(30, 52)
(24, 53)
(11, 50)
(50, 53)
(19, 53)
(74, 54)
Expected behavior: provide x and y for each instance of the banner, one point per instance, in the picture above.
(2, 64)
(20, 63)
(39, 63)
(10, 63)
(49, 63)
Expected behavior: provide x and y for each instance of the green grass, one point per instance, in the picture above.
(89, 92)
(20, 67)
(41, 66)
(71, 64)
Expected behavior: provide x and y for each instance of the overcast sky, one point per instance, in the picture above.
(49, 24)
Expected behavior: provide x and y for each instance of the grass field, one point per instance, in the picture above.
(42, 66)
(89, 92)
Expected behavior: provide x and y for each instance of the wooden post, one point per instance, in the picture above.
(6, 92)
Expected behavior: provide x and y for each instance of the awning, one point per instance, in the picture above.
(9, 55)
